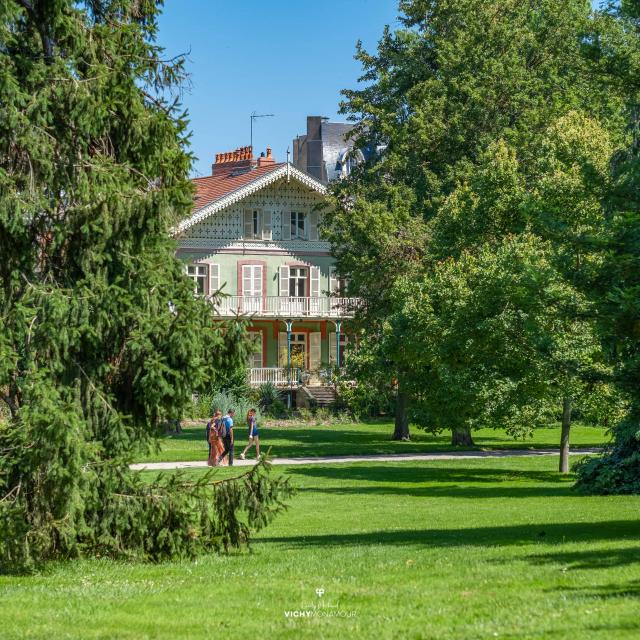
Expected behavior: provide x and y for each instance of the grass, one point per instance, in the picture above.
(499, 548)
(360, 439)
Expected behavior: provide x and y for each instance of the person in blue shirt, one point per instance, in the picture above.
(254, 436)
(227, 437)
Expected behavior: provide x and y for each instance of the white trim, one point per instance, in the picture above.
(239, 194)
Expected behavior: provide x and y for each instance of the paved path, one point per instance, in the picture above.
(392, 457)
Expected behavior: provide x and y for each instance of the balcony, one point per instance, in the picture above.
(283, 307)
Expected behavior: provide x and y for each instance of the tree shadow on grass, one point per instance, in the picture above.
(424, 472)
(592, 559)
(603, 591)
(513, 535)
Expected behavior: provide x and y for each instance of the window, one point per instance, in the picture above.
(337, 284)
(344, 341)
(298, 282)
(255, 359)
(298, 225)
(199, 274)
(257, 224)
(298, 344)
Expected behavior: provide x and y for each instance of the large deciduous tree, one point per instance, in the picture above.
(489, 121)
(101, 337)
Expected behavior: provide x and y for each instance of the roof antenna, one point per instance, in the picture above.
(288, 165)
(255, 115)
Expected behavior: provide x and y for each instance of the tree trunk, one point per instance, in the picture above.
(461, 436)
(564, 436)
(401, 431)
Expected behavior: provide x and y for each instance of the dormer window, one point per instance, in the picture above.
(257, 224)
(298, 225)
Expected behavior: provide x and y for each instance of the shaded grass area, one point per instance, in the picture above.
(364, 438)
(448, 549)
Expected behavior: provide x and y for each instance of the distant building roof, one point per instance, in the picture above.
(326, 152)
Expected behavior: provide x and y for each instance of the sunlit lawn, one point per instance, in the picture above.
(499, 548)
(362, 438)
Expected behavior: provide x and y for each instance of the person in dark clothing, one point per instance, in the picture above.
(227, 438)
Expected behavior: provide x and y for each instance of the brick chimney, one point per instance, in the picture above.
(264, 161)
(231, 161)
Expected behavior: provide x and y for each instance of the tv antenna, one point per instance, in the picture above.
(255, 115)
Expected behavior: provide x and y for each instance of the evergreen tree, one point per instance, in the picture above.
(102, 337)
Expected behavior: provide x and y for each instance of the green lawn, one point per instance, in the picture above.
(360, 439)
(498, 548)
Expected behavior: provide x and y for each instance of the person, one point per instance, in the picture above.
(213, 436)
(254, 437)
(227, 439)
(207, 435)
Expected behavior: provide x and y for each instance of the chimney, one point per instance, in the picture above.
(239, 160)
(265, 161)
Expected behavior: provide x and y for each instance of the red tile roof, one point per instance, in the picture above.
(211, 188)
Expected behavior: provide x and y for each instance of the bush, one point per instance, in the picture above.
(267, 394)
(224, 400)
(323, 415)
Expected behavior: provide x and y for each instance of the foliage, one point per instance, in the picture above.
(493, 120)
(493, 336)
(268, 396)
(618, 57)
(102, 337)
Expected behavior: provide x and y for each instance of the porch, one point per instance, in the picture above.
(289, 378)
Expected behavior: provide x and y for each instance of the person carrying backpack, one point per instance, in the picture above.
(227, 438)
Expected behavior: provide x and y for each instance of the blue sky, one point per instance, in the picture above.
(287, 57)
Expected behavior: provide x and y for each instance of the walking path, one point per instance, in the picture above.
(392, 457)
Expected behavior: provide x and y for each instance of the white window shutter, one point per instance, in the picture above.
(266, 225)
(282, 348)
(286, 225)
(332, 349)
(334, 283)
(248, 223)
(312, 225)
(315, 350)
(284, 281)
(214, 278)
(246, 279)
(315, 282)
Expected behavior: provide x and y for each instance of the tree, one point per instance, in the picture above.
(493, 341)
(459, 78)
(102, 337)
(492, 123)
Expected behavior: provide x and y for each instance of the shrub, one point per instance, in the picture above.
(267, 395)
(323, 415)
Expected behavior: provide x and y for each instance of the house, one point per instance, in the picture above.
(253, 235)
(326, 152)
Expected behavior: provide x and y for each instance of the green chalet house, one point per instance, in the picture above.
(253, 236)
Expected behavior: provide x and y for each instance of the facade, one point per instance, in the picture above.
(253, 236)
(326, 152)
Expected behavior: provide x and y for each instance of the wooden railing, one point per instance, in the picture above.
(285, 307)
(276, 375)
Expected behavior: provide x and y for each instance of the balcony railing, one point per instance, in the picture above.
(284, 307)
(276, 375)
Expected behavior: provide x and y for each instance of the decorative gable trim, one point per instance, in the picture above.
(209, 209)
